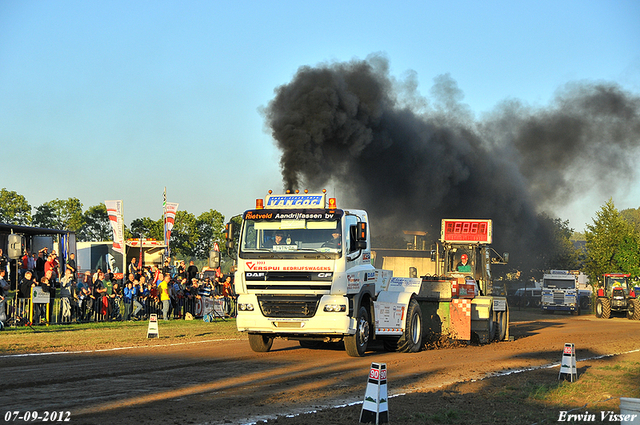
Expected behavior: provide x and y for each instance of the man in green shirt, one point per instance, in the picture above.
(463, 265)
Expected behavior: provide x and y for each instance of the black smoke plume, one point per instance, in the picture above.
(411, 162)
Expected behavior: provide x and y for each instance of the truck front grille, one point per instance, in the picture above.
(288, 306)
(259, 281)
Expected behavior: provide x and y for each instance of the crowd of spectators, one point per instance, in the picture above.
(171, 292)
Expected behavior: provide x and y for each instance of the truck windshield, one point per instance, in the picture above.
(559, 283)
(266, 238)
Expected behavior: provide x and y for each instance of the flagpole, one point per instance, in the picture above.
(164, 219)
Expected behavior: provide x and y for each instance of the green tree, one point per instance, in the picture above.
(96, 226)
(14, 208)
(60, 214)
(210, 228)
(632, 215)
(612, 244)
(184, 235)
(148, 228)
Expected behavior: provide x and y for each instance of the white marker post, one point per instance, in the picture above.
(375, 406)
(568, 364)
(152, 331)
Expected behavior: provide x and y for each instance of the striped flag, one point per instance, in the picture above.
(169, 218)
(114, 210)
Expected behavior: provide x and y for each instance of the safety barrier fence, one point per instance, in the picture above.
(21, 311)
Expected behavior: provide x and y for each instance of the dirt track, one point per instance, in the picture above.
(225, 382)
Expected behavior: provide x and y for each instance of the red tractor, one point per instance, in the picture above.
(617, 295)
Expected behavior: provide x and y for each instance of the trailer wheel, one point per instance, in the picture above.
(501, 325)
(603, 308)
(633, 311)
(411, 339)
(492, 324)
(260, 343)
(356, 345)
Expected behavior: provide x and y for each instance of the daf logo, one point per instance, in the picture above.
(255, 274)
(324, 274)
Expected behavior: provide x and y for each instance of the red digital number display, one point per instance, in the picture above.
(466, 231)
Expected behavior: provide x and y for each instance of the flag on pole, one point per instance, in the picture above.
(169, 218)
(114, 210)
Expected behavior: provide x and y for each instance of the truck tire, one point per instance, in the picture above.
(411, 339)
(603, 308)
(633, 312)
(356, 344)
(260, 343)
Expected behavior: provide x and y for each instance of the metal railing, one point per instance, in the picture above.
(22, 311)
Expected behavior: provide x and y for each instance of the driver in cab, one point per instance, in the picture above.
(463, 265)
(335, 241)
(278, 238)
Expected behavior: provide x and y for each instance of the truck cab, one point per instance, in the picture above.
(560, 292)
(305, 273)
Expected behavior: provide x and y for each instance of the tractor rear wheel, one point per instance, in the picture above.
(603, 308)
(633, 312)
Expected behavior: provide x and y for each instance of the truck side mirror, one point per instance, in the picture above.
(506, 257)
(228, 235)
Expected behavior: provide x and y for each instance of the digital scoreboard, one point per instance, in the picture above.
(471, 231)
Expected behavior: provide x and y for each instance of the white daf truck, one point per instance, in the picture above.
(305, 273)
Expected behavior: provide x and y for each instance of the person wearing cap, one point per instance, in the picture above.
(463, 265)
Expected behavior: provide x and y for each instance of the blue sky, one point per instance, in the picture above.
(119, 99)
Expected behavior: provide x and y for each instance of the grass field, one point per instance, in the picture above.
(103, 335)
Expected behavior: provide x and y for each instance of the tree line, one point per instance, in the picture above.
(191, 237)
(611, 244)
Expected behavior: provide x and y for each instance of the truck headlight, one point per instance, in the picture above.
(335, 308)
(245, 307)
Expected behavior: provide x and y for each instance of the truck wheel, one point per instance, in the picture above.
(603, 308)
(633, 312)
(260, 343)
(356, 345)
(411, 339)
